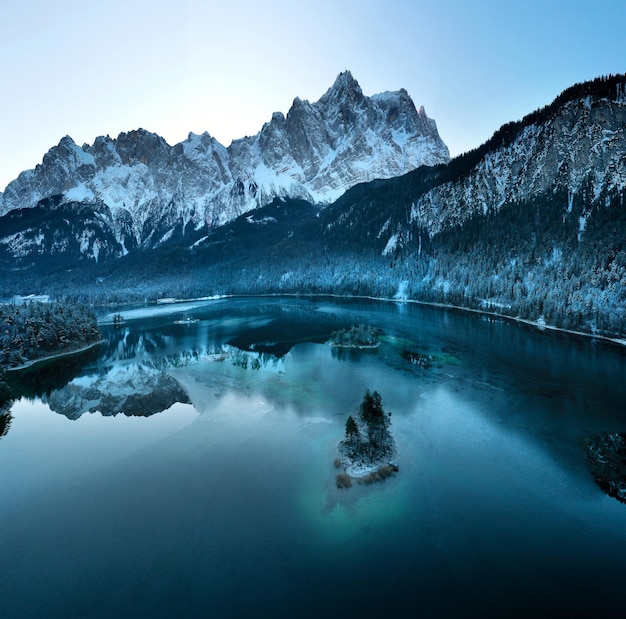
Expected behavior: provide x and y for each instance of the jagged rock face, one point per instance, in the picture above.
(316, 152)
(61, 231)
(581, 148)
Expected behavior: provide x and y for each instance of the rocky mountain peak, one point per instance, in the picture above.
(140, 146)
(315, 152)
(345, 88)
(68, 150)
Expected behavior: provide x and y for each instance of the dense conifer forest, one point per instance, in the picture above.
(528, 260)
(33, 330)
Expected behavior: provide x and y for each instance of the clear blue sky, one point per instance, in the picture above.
(95, 68)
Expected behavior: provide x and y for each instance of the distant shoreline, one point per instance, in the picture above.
(621, 342)
(531, 323)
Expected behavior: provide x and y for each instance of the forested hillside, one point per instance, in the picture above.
(527, 260)
(532, 224)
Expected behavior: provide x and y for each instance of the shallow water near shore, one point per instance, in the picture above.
(227, 505)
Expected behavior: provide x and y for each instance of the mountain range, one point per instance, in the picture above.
(143, 191)
(530, 224)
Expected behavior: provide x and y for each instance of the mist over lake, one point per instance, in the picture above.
(215, 494)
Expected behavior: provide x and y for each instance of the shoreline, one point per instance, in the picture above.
(359, 469)
(538, 326)
(58, 355)
(355, 346)
(541, 327)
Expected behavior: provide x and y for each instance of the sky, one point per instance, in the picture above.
(85, 69)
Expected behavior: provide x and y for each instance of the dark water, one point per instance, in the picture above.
(227, 506)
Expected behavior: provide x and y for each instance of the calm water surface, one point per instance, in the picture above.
(225, 505)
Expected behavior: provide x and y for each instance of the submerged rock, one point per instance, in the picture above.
(421, 360)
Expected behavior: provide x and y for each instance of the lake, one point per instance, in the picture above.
(215, 495)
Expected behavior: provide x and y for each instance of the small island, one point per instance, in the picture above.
(358, 336)
(368, 452)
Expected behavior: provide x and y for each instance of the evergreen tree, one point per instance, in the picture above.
(372, 408)
(352, 430)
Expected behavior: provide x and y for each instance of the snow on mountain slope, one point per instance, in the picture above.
(580, 148)
(316, 152)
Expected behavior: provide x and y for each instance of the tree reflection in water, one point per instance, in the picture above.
(5, 417)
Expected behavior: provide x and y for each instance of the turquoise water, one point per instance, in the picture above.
(226, 506)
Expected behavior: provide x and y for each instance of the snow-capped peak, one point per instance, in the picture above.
(316, 151)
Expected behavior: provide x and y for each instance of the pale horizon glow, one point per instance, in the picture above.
(87, 69)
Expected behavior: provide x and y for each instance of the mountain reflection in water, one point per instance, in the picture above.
(143, 388)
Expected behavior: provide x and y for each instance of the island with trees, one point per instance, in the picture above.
(358, 336)
(36, 330)
(368, 451)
